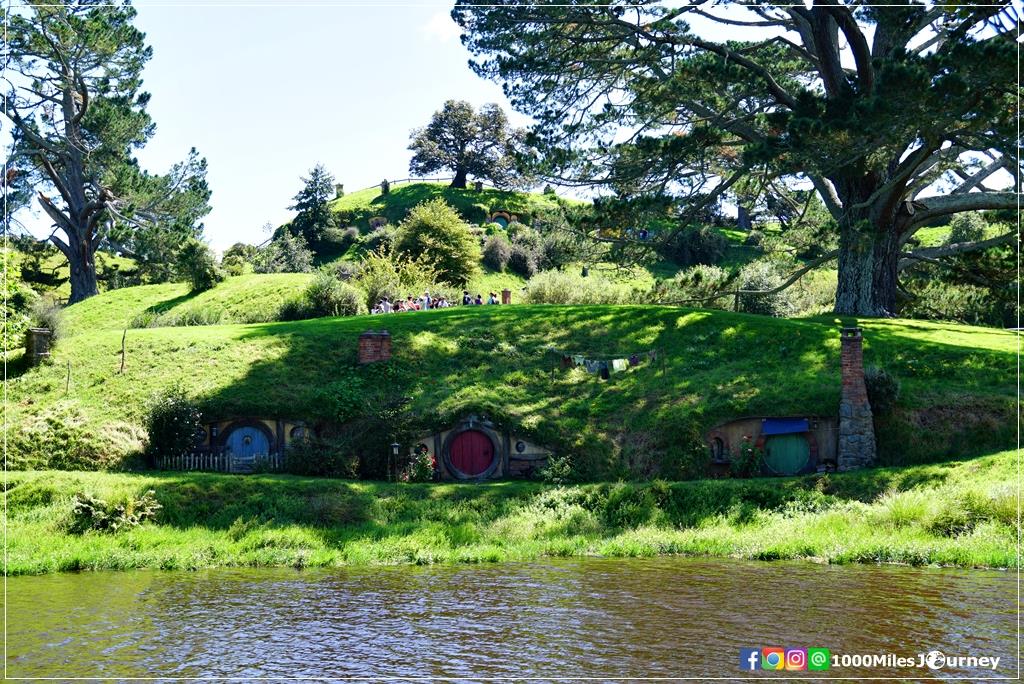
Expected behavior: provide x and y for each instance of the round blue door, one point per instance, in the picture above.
(248, 441)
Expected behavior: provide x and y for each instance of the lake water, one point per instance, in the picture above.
(605, 618)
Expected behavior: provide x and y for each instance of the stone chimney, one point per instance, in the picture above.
(374, 346)
(856, 428)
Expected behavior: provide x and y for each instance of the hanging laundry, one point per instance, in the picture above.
(566, 362)
(591, 366)
(603, 365)
(578, 359)
(618, 365)
(634, 360)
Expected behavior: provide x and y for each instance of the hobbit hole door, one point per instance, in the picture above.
(787, 454)
(245, 444)
(471, 452)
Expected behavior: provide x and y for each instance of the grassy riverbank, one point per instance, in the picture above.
(959, 513)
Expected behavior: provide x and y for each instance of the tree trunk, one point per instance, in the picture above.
(460, 179)
(83, 272)
(868, 256)
(743, 221)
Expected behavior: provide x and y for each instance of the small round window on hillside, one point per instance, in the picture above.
(298, 432)
(520, 446)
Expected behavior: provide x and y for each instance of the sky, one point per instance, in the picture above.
(265, 92)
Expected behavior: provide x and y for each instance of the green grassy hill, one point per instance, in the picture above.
(958, 382)
(357, 208)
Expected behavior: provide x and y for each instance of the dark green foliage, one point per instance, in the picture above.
(558, 470)
(90, 513)
(419, 469)
(497, 252)
(760, 276)
(467, 143)
(171, 423)
(437, 235)
(380, 239)
(695, 245)
(197, 265)
(869, 117)
(286, 253)
(883, 389)
(325, 296)
(523, 261)
(746, 460)
(967, 227)
(322, 456)
(314, 218)
(238, 257)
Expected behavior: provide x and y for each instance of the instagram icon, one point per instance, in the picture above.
(796, 658)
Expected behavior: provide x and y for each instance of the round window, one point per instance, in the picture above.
(520, 446)
(298, 432)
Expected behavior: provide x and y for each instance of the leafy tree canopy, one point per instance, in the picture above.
(467, 143)
(896, 114)
(74, 96)
(435, 234)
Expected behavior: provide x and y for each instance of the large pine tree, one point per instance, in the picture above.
(74, 95)
(898, 114)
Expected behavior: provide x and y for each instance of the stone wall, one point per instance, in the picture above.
(856, 426)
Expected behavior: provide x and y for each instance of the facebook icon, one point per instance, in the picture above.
(750, 658)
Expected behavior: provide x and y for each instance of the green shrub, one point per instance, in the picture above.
(435, 233)
(419, 469)
(557, 470)
(328, 296)
(391, 275)
(497, 252)
(45, 313)
(380, 239)
(695, 286)
(197, 265)
(758, 276)
(322, 457)
(969, 226)
(523, 261)
(172, 422)
(883, 389)
(560, 287)
(495, 229)
(90, 513)
(286, 253)
(695, 245)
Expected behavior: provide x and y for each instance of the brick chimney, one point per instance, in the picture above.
(856, 428)
(374, 346)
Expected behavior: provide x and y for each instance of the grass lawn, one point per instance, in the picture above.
(239, 299)
(957, 513)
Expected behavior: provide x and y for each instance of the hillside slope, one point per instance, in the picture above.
(958, 382)
(357, 208)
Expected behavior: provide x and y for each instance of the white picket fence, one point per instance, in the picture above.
(222, 462)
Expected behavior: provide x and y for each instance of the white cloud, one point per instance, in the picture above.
(441, 28)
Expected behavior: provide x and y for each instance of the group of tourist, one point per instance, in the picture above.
(425, 301)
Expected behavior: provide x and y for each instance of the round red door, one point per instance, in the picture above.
(471, 452)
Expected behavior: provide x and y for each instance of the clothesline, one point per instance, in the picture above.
(600, 354)
(605, 366)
